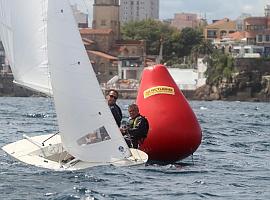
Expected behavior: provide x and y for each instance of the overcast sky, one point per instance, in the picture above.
(212, 9)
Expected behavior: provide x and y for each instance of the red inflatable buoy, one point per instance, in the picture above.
(174, 131)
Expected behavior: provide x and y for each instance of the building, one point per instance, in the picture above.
(257, 36)
(190, 79)
(104, 65)
(252, 38)
(248, 51)
(106, 16)
(240, 21)
(131, 58)
(183, 20)
(257, 30)
(219, 29)
(111, 56)
(136, 10)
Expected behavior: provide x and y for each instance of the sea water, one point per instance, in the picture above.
(233, 161)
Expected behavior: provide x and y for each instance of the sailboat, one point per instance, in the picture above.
(46, 54)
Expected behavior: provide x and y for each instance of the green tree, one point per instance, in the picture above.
(176, 44)
(205, 47)
(151, 31)
(220, 66)
(189, 38)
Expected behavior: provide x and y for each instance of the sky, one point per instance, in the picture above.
(211, 9)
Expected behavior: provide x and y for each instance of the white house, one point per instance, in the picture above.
(189, 79)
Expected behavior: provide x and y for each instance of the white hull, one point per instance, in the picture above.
(51, 155)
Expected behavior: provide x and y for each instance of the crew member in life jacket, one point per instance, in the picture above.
(137, 128)
(115, 109)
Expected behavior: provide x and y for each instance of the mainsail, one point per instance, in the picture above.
(24, 40)
(87, 127)
(6, 34)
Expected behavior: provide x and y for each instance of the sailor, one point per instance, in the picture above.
(112, 96)
(137, 128)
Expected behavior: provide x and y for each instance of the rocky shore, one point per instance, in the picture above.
(251, 82)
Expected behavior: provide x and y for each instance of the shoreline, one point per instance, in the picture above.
(131, 95)
(9, 89)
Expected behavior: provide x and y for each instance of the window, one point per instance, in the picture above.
(255, 27)
(267, 38)
(258, 50)
(103, 22)
(211, 34)
(223, 33)
(259, 38)
(251, 41)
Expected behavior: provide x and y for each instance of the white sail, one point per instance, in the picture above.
(24, 40)
(6, 34)
(87, 127)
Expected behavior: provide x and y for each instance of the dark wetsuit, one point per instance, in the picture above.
(137, 131)
(117, 114)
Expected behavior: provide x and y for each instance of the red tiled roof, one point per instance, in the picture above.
(95, 31)
(222, 23)
(87, 41)
(237, 35)
(104, 55)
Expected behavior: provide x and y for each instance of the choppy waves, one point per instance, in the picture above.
(231, 163)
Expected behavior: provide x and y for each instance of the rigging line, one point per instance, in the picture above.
(49, 138)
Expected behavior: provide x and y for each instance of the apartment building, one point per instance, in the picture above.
(257, 30)
(183, 20)
(136, 10)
